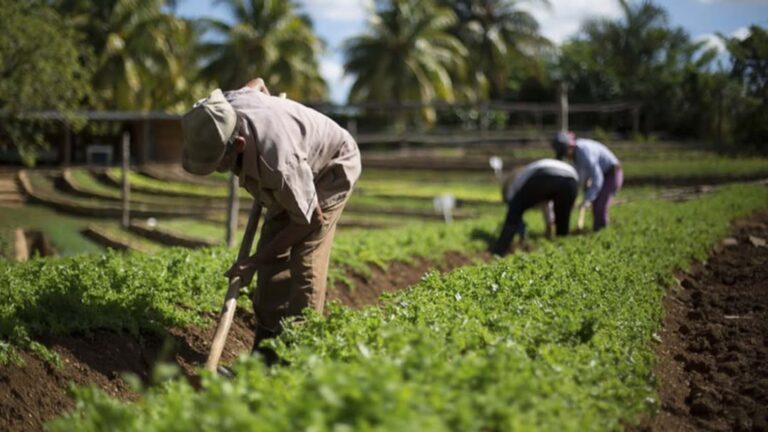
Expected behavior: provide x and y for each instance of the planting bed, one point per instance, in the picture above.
(712, 360)
(38, 390)
(559, 338)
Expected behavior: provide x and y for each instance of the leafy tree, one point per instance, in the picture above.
(750, 69)
(500, 38)
(40, 69)
(637, 57)
(145, 56)
(269, 39)
(407, 54)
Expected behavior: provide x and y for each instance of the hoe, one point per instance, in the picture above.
(230, 301)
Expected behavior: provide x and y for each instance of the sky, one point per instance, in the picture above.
(337, 20)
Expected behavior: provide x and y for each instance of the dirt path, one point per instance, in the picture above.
(37, 392)
(713, 361)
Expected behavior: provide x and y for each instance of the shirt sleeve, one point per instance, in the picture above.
(297, 194)
(596, 175)
(589, 171)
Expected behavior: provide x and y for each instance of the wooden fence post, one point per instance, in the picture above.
(126, 147)
(563, 107)
(635, 120)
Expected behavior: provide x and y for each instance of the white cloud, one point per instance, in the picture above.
(741, 33)
(339, 10)
(565, 17)
(712, 41)
(339, 84)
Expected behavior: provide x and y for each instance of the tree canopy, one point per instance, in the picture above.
(268, 39)
(42, 67)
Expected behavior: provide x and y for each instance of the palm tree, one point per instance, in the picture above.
(406, 55)
(638, 57)
(637, 47)
(497, 34)
(271, 40)
(142, 54)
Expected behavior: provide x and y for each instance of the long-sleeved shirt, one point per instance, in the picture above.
(592, 159)
(295, 158)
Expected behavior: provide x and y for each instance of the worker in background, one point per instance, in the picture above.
(302, 167)
(599, 171)
(549, 183)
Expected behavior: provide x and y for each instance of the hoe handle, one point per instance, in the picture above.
(230, 301)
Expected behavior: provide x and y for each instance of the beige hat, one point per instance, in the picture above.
(207, 127)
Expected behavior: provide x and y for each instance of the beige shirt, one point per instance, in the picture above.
(295, 158)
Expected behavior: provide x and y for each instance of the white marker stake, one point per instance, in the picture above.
(496, 165)
(445, 203)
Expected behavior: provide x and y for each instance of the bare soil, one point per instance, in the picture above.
(713, 359)
(38, 391)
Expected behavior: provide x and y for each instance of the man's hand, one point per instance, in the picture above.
(258, 84)
(244, 269)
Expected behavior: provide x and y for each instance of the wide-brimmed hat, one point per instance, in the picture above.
(207, 128)
(560, 143)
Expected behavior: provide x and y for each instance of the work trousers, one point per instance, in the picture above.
(297, 278)
(612, 181)
(537, 190)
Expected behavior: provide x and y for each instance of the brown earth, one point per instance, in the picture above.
(713, 359)
(39, 391)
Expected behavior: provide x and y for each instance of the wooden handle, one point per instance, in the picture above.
(582, 214)
(230, 300)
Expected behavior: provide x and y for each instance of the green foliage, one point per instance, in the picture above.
(559, 339)
(500, 38)
(145, 57)
(638, 57)
(750, 67)
(408, 54)
(601, 135)
(269, 39)
(134, 292)
(41, 68)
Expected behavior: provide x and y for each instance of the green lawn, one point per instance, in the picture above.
(63, 230)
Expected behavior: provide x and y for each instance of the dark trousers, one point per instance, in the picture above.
(537, 190)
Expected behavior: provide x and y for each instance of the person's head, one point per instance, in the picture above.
(212, 137)
(563, 144)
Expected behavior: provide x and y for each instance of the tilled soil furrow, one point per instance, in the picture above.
(713, 367)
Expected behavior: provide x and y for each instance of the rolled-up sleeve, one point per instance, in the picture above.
(589, 171)
(596, 175)
(297, 194)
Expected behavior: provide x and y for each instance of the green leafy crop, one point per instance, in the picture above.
(558, 339)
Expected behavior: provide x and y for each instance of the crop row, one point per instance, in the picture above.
(558, 339)
(138, 292)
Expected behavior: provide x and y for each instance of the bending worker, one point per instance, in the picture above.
(599, 170)
(551, 183)
(301, 166)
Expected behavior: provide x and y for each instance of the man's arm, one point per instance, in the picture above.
(292, 234)
(289, 236)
